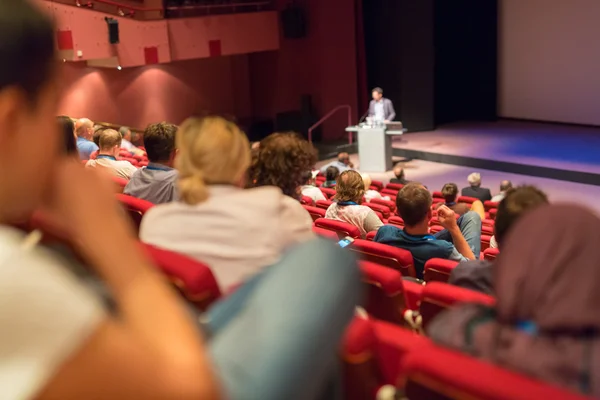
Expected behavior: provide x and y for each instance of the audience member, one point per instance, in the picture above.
(309, 189)
(399, 175)
(331, 175)
(478, 275)
(450, 193)
(110, 145)
(281, 161)
(504, 187)
(475, 190)
(460, 240)
(371, 194)
(126, 142)
(237, 232)
(545, 323)
(57, 340)
(349, 193)
(67, 130)
(84, 128)
(156, 183)
(342, 163)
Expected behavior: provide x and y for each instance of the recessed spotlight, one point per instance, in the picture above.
(64, 60)
(119, 68)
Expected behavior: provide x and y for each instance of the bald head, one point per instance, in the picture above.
(84, 128)
(344, 158)
(505, 185)
(110, 142)
(125, 133)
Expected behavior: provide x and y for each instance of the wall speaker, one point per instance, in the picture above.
(113, 30)
(293, 20)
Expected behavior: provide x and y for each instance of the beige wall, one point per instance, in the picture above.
(549, 60)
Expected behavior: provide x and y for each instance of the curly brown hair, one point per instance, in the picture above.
(350, 187)
(281, 160)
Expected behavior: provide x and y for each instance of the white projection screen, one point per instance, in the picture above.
(549, 60)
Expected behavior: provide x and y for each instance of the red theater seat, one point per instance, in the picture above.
(438, 373)
(394, 186)
(343, 229)
(487, 230)
(133, 161)
(491, 254)
(399, 259)
(485, 242)
(325, 233)
(438, 270)
(389, 192)
(377, 184)
(397, 221)
(438, 296)
(493, 213)
(387, 203)
(437, 195)
(413, 292)
(372, 353)
(324, 204)
(329, 193)
(385, 299)
(383, 210)
(490, 205)
(371, 235)
(120, 183)
(136, 208)
(308, 201)
(466, 199)
(194, 280)
(315, 212)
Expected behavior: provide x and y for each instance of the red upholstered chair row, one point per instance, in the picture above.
(342, 229)
(136, 208)
(491, 254)
(399, 259)
(438, 270)
(194, 280)
(466, 199)
(324, 204)
(120, 183)
(397, 221)
(385, 298)
(325, 233)
(438, 373)
(490, 205)
(389, 192)
(315, 212)
(387, 203)
(329, 193)
(394, 186)
(307, 201)
(383, 210)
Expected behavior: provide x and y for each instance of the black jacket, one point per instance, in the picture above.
(480, 193)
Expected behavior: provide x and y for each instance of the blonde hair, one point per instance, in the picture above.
(350, 187)
(367, 180)
(212, 150)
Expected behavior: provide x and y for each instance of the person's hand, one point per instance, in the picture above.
(351, 164)
(446, 217)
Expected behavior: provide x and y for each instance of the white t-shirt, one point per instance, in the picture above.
(313, 192)
(46, 314)
(362, 217)
(120, 168)
(236, 232)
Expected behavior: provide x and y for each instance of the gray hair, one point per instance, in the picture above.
(474, 179)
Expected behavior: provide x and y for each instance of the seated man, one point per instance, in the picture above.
(505, 186)
(110, 145)
(450, 193)
(477, 275)
(475, 190)
(309, 189)
(399, 175)
(156, 183)
(126, 142)
(460, 241)
(84, 129)
(342, 163)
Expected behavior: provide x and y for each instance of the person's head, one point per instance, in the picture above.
(159, 141)
(281, 161)
(474, 179)
(414, 204)
(67, 128)
(450, 192)
(110, 142)
(344, 158)
(332, 173)
(350, 187)
(125, 133)
(366, 180)
(505, 185)
(377, 93)
(97, 132)
(517, 203)
(28, 99)
(84, 128)
(399, 171)
(211, 151)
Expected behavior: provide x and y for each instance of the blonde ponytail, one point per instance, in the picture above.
(212, 150)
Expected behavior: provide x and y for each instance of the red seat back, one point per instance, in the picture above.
(487, 230)
(488, 223)
(308, 201)
(385, 298)
(389, 192)
(371, 235)
(136, 208)
(439, 373)
(342, 229)
(413, 292)
(485, 242)
(324, 204)
(397, 221)
(329, 193)
(491, 254)
(438, 270)
(120, 183)
(389, 204)
(493, 212)
(193, 279)
(399, 259)
(384, 210)
(466, 199)
(490, 205)
(133, 161)
(394, 186)
(325, 233)
(315, 212)
(437, 195)
(438, 296)
(377, 184)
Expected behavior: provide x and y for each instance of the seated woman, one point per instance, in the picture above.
(371, 194)
(349, 193)
(67, 129)
(331, 176)
(546, 322)
(450, 193)
(236, 232)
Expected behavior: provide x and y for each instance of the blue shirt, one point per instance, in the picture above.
(422, 247)
(339, 165)
(85, 148)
